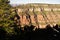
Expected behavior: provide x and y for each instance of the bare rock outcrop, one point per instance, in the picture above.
(39, 16)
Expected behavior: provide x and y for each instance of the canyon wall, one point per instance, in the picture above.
(39, 15)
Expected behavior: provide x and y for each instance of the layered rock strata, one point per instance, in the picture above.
(39, 16)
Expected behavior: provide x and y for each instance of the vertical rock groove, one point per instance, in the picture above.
(43, 15)
(35, 16)
(54, 15)
(28, 17)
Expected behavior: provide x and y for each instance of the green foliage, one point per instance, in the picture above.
(6, 16)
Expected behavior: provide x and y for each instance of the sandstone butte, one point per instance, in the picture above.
(39, 15)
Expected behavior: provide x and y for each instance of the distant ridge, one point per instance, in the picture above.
(29, 5)
(14, 5)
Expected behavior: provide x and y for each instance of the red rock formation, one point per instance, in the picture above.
(38, 17)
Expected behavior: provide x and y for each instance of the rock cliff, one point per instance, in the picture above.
(39, 15)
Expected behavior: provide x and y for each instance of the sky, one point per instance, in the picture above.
(34, 1)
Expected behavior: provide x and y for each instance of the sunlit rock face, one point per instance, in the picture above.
(39, 15)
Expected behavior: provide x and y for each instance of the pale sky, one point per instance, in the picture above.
(34, 1)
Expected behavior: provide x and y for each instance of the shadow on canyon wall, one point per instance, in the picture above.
(27, 33)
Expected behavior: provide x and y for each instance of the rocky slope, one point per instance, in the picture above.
(39, 15)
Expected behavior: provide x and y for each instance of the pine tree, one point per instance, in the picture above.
(6, 16)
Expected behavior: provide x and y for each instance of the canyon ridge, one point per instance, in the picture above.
(39, 15)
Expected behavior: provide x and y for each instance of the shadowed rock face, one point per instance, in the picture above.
(39, 15)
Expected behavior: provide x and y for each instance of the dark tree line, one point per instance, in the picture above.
(29, 34)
